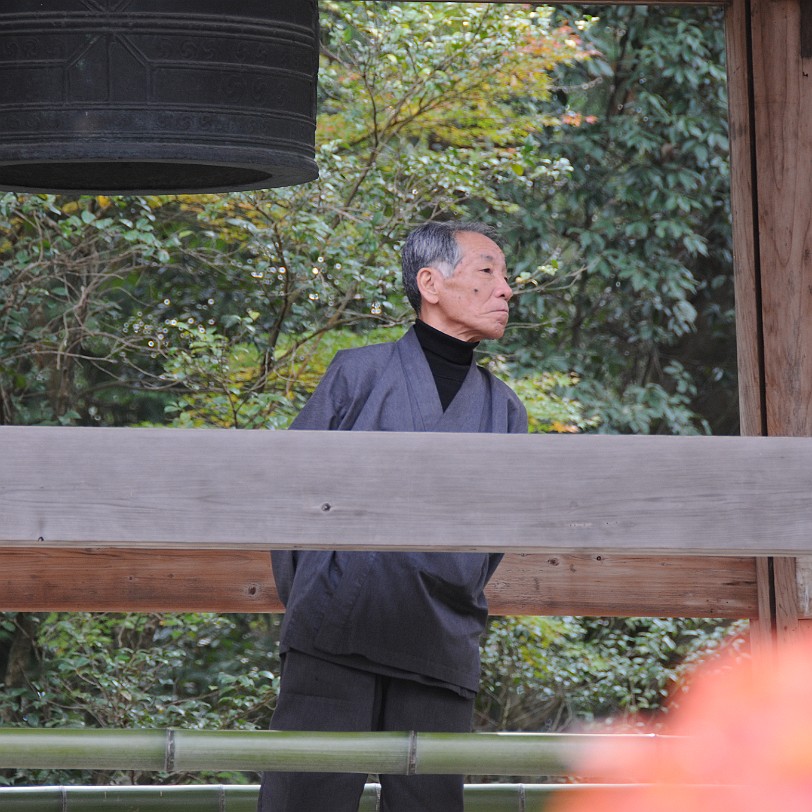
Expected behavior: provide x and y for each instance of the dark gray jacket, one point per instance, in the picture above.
(418, 615)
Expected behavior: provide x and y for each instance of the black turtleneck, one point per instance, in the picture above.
(449, 359)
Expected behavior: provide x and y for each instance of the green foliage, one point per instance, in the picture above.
(221, 672)
(551, 402)
(600, 148)
(397, 144)
(120, 308)
(69, 272)
(554, 673)
(639, 305)
(143, 671)
(597, 144)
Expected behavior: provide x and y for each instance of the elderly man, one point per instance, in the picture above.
(390, 640)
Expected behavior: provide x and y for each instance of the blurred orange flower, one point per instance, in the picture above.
(740, 740)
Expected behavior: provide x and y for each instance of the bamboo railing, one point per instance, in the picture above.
(221, 798)
(171, 750)
(408, 753)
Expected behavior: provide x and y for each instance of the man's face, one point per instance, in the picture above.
(472, 304)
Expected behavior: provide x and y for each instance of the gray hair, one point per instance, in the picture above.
(434, 244)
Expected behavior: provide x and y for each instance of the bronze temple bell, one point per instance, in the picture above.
(157, 96)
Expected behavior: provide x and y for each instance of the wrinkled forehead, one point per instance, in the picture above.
(477, 246)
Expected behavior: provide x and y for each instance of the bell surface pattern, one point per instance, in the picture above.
(157, 96)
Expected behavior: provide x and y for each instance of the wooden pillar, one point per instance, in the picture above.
(770, 84)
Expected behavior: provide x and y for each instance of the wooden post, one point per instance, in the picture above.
(770, 59)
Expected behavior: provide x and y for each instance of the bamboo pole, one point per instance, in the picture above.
(548, 754)
(212, 798)
(221, 798)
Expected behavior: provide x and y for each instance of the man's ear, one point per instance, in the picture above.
(427, 284)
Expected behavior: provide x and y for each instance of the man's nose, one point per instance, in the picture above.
(504, 290)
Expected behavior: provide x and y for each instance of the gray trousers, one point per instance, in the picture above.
(317, 695)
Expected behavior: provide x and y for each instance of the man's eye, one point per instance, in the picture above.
(486, 270)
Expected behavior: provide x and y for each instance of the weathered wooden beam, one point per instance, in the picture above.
(782, 111)
(770, 93)
(747, 277)
(624, 586)
(261, 490)
(744, 211)
(120, 580)
(116, 580)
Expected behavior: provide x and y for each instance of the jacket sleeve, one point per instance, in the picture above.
(517, 416)
(330, 401)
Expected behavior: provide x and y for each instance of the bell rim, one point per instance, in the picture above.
(276, 170)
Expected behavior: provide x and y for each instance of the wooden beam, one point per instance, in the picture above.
(262, 490)
(113, 580)
(119, 580)
(744, 210)
(624, 586)
(747, 275)
(786, 598)
(762, 627)
(782, 109)
(770, 93)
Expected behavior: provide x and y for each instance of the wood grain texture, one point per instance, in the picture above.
(744, 213)
(119, 580)
(803, 577)
(116, 580)
(782, 98)
(624, 586)
(262, 490)
(805, 631)
(781, 116)
(762, 632)
(786, 598)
